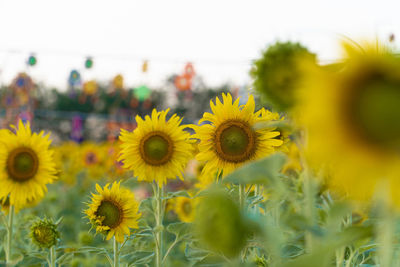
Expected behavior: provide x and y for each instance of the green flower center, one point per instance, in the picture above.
(22, 164)
(111, 212)
(156, 148)
(235, 141)
(375, 110)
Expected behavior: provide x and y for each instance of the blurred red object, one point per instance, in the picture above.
(183, 82)
(189, 69)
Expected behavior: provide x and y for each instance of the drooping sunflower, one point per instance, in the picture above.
(352, 119)
(185, 207)
(229, 139)
(26, 166)
(113, 211)
(158, 149)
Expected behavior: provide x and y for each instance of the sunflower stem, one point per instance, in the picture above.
(242, 196)
(116, 253)
(53, 256)
(158, 193)
(9, 235)
(309, 196)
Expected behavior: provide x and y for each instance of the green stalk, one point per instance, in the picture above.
(242, 196)
(386, 231)
(53, 256)
(309, 208)
(158, 194)
(116, 253)
(9, 235)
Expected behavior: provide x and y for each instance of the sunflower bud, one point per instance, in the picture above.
(219, 224)
(44, 233)
(277, 73)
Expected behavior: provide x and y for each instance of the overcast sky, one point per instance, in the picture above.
(221, 37)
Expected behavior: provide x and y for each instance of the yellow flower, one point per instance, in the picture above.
(158, 149)
(92, 159)
(230, 139)
(26, 165)
(185, 208)
(113, 211)
(352, 121)
(65, 157)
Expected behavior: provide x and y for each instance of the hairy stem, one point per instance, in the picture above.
(53, 256)
(116, 253)
(9, 235)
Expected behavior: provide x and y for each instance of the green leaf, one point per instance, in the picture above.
(264, 171)
(195, 254)
(138, 257)
(180, 229)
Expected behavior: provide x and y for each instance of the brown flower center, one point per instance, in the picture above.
(22, 164)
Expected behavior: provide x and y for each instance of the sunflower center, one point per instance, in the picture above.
(235, 141)
(156, 148)
(376, 112)
(111, 212)
(22, 164)
(187, 207)
(91, 158)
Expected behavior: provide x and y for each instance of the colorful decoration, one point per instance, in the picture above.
(22, 83)
(142, 93)
(88, 63)
(77, 129)
(90, 87)
(74, 78)
(145, 66)
(183, 82)
(118, 82)
(32, 60)
(189, 70)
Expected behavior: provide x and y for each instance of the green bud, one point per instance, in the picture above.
(44, 233)
(219, 224)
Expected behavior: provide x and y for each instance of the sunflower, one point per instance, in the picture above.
(158, 149)
(26, 165)
(92, 159)
(185, 208)
(230, 139)
(113, 211)
(352, 119)
(65, 156)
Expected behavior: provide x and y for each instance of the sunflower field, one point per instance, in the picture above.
(301, 171)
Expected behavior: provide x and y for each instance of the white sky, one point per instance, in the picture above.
(220, 37)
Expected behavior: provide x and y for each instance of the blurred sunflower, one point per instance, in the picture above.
(65, 156)
(113, 211)
(185, 207)
(115, 167)
(277, 72)
(92, 159)
(229, 140)
(158, 149)
(352, 121)
(26, 165)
